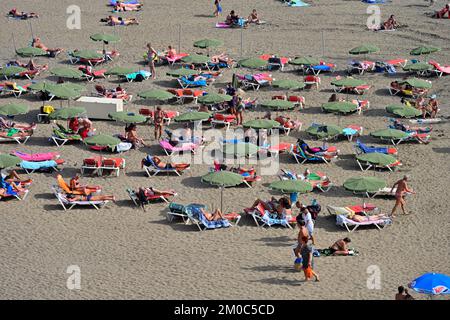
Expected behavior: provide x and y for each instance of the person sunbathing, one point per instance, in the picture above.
(441, 13)
(403, 127)
(119, 21)
(311, 151)
(253, 17)
(223, 57)
(287, 122)
(120, 6)
(170, 53)
(52, 52)
(151, 191)
(22, 15)
(90, 197)
(390, 24)
(22, 126)
(163, 165)
(15, 133)
(340, 248)
(13, 180)
(215, 216)
(76, 186)
(432, 107)
(132, 137)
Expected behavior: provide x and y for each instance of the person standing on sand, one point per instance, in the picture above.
(218, 8)
(152, 56)
(158, 120)
(306, 252)
(402, 189)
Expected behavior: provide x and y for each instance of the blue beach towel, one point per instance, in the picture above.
(38, 165)
(297, 3)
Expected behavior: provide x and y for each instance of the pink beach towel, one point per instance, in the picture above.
(183, 147)
(36, 156)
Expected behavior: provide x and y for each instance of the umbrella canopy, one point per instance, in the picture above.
(11, 71)
(102, 140)
(41, 86)
(63, 92)
(195, 58)
(403, 111)
(431, 283)
(278, 104)
(71, 86)
(305, 61)
(324, 131)
(87, 54)
(106, 38)
(423, 50)
(377, 158)
(240, 149)
(213, 98)
(156, 94)
(182, 72)
(208, 43)
(126, 117)
(291, 186)
(120, 71)
(67, 113)
(260, 124)
(415, 67)
(192, 116)
(364, 49)
(418, 83)
(64, 72)
(288, 84)
(7, 161)
(389, 134)
(344, 107)
(31, 52)
(253, 63)
(348, 82)
(364, 184)
(13, 109)
(223, 178)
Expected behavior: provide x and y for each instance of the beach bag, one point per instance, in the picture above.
(298, 264)
(308, 272)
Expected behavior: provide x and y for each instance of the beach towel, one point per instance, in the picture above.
(222, 25)
(297, 3)
(197, 213)
(123, 146)
(374, 1)
(327, 252)
(28, 165)
(114, 2)
(36, 156)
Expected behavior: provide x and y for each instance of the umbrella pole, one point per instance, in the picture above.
(242, 40)
(14, 43)
(323, 45)
(31, 28)
(221, 199)
(179, 38)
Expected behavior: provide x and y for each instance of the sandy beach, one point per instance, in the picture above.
(126, 253)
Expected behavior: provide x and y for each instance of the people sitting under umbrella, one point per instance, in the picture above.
(52, 52)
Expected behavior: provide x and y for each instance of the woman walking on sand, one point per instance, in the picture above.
(218, 8)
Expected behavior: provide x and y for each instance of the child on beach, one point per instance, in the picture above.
(218, 8)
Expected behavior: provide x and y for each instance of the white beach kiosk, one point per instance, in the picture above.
(99, 108)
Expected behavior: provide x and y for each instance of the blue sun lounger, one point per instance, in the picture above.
(31, 167)
(186, 83)
(362, 148)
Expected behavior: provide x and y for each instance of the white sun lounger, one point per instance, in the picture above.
(69, 204)
(351, 225)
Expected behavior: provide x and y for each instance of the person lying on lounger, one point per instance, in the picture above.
(52, 52)
(9, 124)
(279, 208)
(22, 15)
(403, 127)
(119, 21)
(215, 216)
(150, 192)
(340, 247)
(75, 185)
(14, 181)
(120, 6)
(287, 122)
(90, 197)
(223, 57)
(163, 165)
(310, 151)
(14, 133)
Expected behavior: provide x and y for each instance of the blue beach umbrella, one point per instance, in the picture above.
(431, 283)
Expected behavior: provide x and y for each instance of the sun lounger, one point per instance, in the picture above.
(151, 169)
(362, 148)
(36, 156)
(263, 217)
(254, 81)
(317, 69)
(112, 165)
(49, 165)
(301, 158)
(13, 88)
(197, 218)
(366, 208)
(352, 130)
(68, 204)
(360, 66)
(60, 138)
(438, 69)
(176, 58)
(141, 202)
(186, 83)
(298, 101)
(12, 193)
(140, 75)
(169, 149)
(312, 81)
(317, 179)
(365, 166)
(185, 213)
(223, 119)
(351, 225)
(274, 62)
(66, 188)
(14, 135)
(91, 74)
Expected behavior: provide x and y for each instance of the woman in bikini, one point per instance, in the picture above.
(120, 6)
(158, 120)
(119, 21)
(253, 17)
(163, 165)
(217, 215)
(402, 190)
(152, 57)
(132, 137)
(51, 52)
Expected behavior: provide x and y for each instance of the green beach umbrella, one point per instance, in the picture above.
(240, 149)
(291, 186)
(305, 61)
(71, 86)
(11, 71)
(403, 111)
(348, 82)
(343, 107)
(120, 71)
(41, 86)
(192, 116)
(31, 52)
(260, 124)
(278, 104)
(67, 113)
(288, 84)
(417, 67)
(64, 72)
(126, 117)
(13, 109)
(418, 83)
(364, 49)
(195, 58)
(208, 43)
(63, 92)
(102, 140)
(389, 134)
(214, 98)
(424, 50)
(223, 179)
(324, 131)
(377, 158)
(364, 184)
(87, 54)
(253, 63)
(105, 38)
(7, 161)
(156, 94)
(182, 72)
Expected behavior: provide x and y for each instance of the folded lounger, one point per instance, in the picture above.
(68, 204)
(362, 148)
(169, 149)
(150, 167)
(35, 157)
(49, 165)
